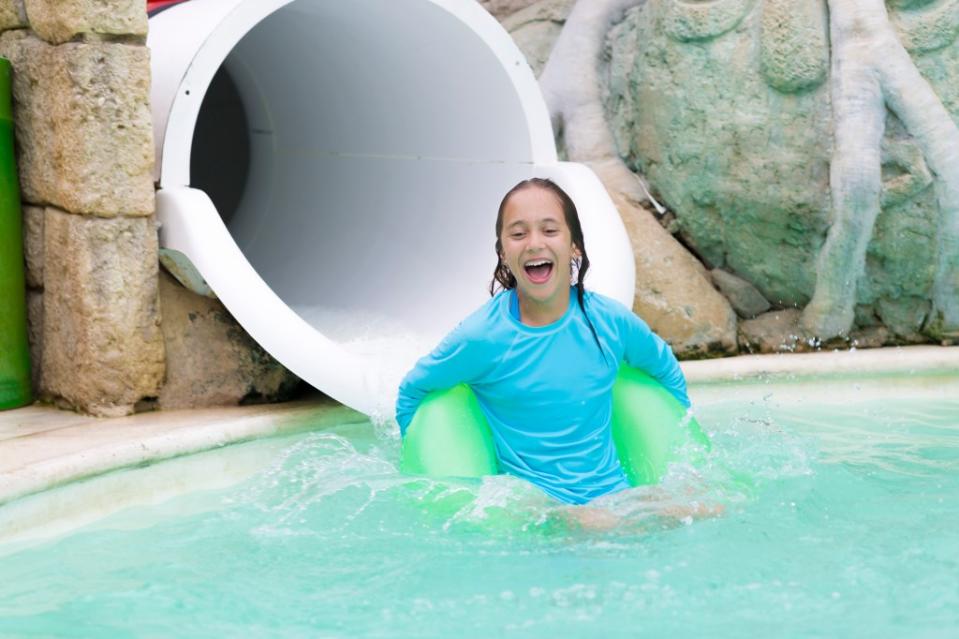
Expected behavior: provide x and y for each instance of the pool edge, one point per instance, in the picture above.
(89, 447)
(875, 362)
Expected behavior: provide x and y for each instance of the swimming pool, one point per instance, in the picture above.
(840, 519)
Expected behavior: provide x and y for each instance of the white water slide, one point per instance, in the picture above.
(328, 166)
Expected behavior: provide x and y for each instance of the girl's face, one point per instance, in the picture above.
(537, 246)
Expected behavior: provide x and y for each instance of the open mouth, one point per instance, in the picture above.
(538, 271)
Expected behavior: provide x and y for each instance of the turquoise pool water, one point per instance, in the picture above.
(840, 518)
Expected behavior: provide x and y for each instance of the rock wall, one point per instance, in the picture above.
(674, 292)
(211, 361)
(504, 8)
(535, 28)
(748, 120)
(85, 153)
(744, 166)
(727, 110)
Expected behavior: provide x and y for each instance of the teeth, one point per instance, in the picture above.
(538, 263)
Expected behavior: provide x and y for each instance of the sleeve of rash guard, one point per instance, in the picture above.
(650, 353)
(454, 361)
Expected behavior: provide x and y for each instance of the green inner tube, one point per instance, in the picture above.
(449, 436)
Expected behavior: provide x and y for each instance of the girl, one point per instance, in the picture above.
(542, 354)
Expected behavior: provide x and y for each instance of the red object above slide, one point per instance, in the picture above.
(154, 6)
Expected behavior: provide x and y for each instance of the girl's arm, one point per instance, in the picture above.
(650, 353)
(456, 360)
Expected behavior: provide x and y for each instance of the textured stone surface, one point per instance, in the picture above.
(773, 332)
(102, 345)
(83, 125)
(794, 49)
(728, 117)
(745, 299)
(779, 332)
(211, 361)
(700, 21)
(60, 20)
(535, 29)
(871, 337)
(35, 335)
(12, 14)
(673, 294)
(923, 25)
(698, 123)
(33, 245)
(502, 8)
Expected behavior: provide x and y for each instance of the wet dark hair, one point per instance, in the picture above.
(506, 280)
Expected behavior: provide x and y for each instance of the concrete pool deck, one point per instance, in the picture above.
(42, 447)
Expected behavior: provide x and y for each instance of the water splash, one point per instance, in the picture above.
(753, 445)
(389, 346)
(335, 479)
(332, 540)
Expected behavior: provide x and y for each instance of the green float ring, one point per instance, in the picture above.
(450, 437)
(14, 348)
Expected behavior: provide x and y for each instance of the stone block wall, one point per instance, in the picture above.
(85, 155)
(504, 8)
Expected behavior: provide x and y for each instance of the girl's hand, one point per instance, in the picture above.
(600, 519)
(591, 518)
(693, 510)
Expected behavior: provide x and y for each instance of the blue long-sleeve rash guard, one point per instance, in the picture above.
(547, 390)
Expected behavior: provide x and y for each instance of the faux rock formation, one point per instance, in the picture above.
(502, 8)
(83, 125)
(668, 278)
(84, 133)
(102, 347)
(536, 28)
(872, 70)
(774, 332)
(211, 361)
(59, 21)
(699, 129)
(12, 14)
(784, 165)
(84, 142)
(35, 336)
(781, 332)
(745, 299)
(33, 245)
(667, 274)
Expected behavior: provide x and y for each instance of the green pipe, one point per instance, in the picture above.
(14, 348)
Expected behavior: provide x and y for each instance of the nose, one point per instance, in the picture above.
(535, 242)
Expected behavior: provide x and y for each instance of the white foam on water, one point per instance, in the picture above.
(390, 348)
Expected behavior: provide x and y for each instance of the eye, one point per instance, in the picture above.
(551, 231)
(517, 236)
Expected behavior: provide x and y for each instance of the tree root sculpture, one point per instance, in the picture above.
(871, 70)
(576, 108)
